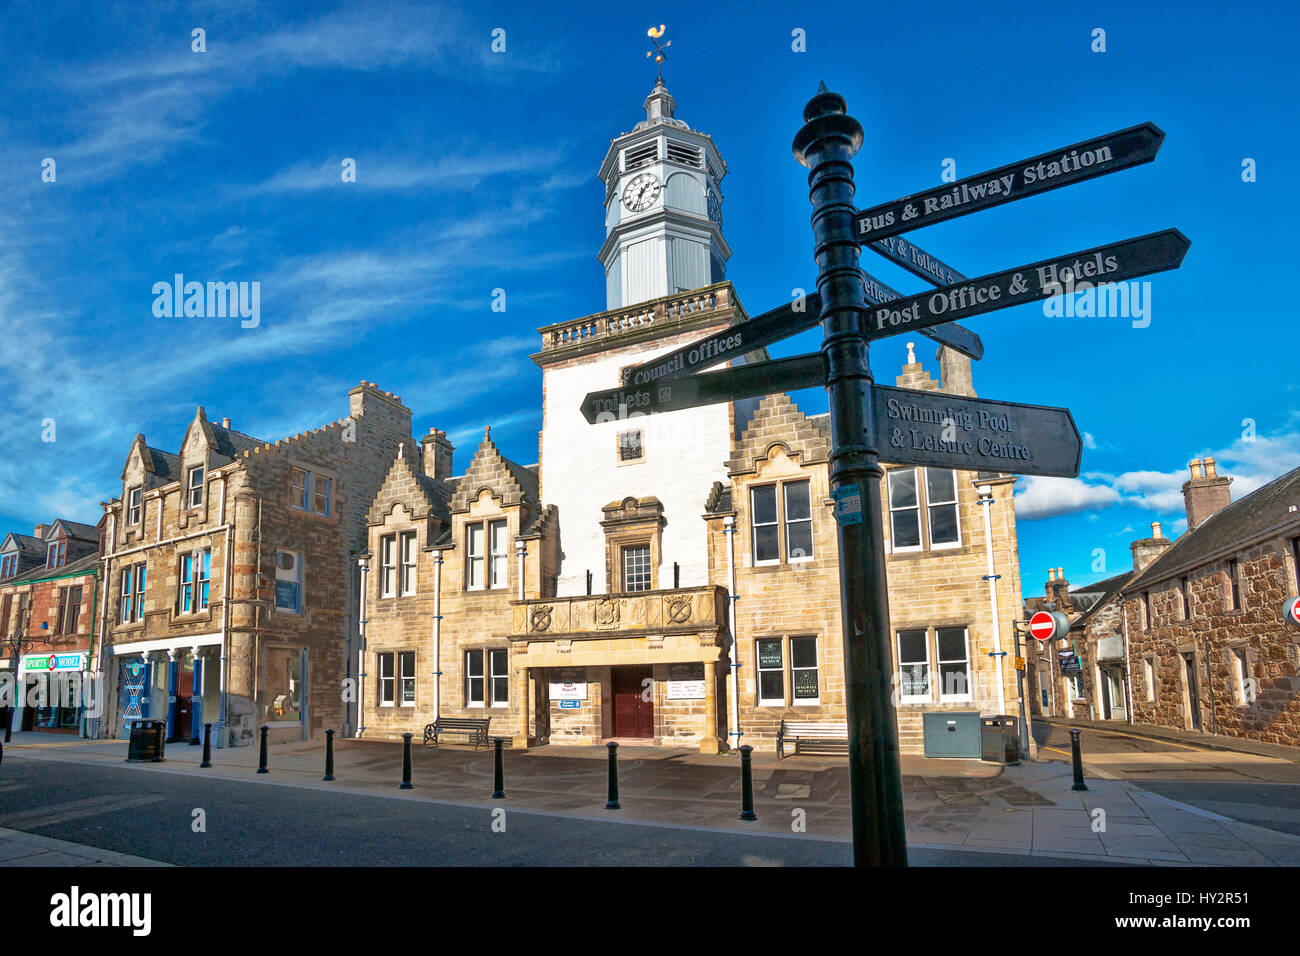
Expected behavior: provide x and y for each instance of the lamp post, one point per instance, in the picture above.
(18, 644)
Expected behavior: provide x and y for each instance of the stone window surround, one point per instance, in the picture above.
(787, 670)
(632, 523)
(485, 522)
(489, 702)
(312, 472)
(784, 560)
(923, 512)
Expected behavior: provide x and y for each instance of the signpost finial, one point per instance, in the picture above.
(660, 51)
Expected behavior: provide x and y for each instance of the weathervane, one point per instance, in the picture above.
(659, 52)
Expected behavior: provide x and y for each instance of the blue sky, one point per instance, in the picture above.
(477, 170)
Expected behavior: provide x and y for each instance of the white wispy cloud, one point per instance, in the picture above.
(1250, 464)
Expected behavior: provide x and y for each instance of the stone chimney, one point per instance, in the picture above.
(39, 531)
(437, 454)
(225, 423)
(955, 372)
(1147, 550)
(1205, 492)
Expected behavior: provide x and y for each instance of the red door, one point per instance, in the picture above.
(634, 716)
(184, 690)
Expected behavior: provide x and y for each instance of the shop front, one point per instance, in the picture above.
(173, 682)
(53, 692)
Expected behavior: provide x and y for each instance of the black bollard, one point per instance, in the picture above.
(499, 776)
(612, 803)
(746, 784)
(207, 746)
(1078, 761)
(261, 765)
(406, 763)
(9, 722)
(329, 755)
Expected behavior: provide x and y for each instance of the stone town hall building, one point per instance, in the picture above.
(672, 578)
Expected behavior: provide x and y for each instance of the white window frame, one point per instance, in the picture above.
(786, 522)
(409, 556)
(939, 661)
(134, 506)
(795, 699)
(403, 657)
(56, 553)
(928, 696)
(8, 565)
(760, 670)
(755, 524)
(193, 489)
(387, 680)
(141, 585)
(481, 678)
(475, 559)
(624, 553)
(127, 595)
(498, 533)
(493, 676)
(388, 566)
(915, 509)
(954, 504)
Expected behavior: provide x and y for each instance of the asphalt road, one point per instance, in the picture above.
(250, 824)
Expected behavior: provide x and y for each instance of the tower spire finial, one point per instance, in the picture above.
(660, 52)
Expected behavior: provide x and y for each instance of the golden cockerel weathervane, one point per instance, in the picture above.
(659, 52)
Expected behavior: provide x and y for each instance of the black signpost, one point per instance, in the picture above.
(870, 423)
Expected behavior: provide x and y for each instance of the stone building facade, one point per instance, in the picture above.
(229, 579)
(47, 614)
(1208, 648)
(670, 578)
(1192, 637)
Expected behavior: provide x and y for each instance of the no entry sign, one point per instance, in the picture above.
(1043, 625)
(1291, 613)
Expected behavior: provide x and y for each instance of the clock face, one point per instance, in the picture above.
(642, 192)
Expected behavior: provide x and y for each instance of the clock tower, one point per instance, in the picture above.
(663, 208)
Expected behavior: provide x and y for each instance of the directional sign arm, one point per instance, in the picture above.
(756, 333)
(950, 334)
(707, 388)
(1029, 177)
(916, 427)
(1101, 266)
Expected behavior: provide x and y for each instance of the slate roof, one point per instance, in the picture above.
(166, 466)
(28, 545)
(84, 565)
(79, 530)
(1244, 519)
(231, 443)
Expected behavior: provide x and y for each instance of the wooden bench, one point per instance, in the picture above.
(476, 728)
(826, 736)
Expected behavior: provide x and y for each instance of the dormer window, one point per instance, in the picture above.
(194, 486)
(8, 565)
(56, 554)
(133, 512)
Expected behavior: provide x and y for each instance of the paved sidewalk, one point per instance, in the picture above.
(1170, 735)
(27, 849)
(950, 805)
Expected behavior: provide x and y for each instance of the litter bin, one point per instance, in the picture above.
(999, 739)
(146, 741)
